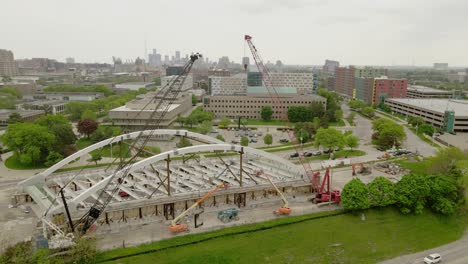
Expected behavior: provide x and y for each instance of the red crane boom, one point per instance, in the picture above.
(278, 107)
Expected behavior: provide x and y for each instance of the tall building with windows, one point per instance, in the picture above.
(345, 78)
(8, 65)
(330, 66)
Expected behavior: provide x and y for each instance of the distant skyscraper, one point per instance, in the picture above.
(70, 60)
(154, 59)
(166, 59)
(177, 56)
(330, 66)
(8, 65)
(223, 62)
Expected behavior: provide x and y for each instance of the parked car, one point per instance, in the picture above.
(436, 134)
(259, 133)
(236, 134)
(234, 141)
(381, 148)
(433, 258)
(308, 154)
(294, 155)
(326, 151)
(317, 153)
(284, 140)
(253, 140)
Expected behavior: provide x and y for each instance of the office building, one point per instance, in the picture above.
(330, 66)
(174, 70)
(8, 65)
(345, 78)
(375, 90)
(421, 92)
(177, 56)
(227, 85)
(447, 114)
(219, 72)
(134, 116)
(154, 59)
(70, 60)
(27, 115)
(250, 106)
(65, 96)
(460, 77)
(188, 83)
(441, 66)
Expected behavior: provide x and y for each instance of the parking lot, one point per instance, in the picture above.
(233, 135)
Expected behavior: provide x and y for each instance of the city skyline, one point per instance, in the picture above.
(360, 32)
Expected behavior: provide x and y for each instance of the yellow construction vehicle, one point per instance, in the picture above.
(284, 210)
(177, 227)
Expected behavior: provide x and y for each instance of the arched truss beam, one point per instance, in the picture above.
(40, 178)
(294, 169)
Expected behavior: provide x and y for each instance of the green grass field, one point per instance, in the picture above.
(14, 164)
(344, 238)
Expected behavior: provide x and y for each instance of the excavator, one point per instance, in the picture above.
(364, 170)
(284, 210)
(176, 226)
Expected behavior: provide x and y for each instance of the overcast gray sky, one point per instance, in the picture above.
(373, 32)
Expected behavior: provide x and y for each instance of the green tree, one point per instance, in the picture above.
(443, 197)
(53, 158)
(352, 141)
(87, 127)
(60, 127)
(303, 136)
(244, 141)
(426, 129)
(205, 127)
(184, 142)
(7, 101)
(338, 114)
(95, 157)
(268, 139)
(266, 113)
(75, 109)
(329, 138)
(90, 88)
(381, 192)
(415, 120)
(368, 111)
(220, 137)
(317, 109)
(104, 132)
(350, 118)
(157, 81)
(11, 90)
(355, 195)
(388, 133)
(30, 142)
(181, 120)
(84, 251)
(224, 123)
(14, 118)
(88, 114)
(194, 100)
(357, 105)
(316, 124)
(445, 160)
(299, 114)
(412, 192)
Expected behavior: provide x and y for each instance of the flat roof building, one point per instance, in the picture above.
(417, 91)
(8, 66)
(250, 106)
(27, 115)
(448, 114)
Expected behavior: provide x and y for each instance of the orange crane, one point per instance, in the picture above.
(278, 106)
(177, 227)
(283, 210)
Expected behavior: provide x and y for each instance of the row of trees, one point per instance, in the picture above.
(387, 133)
(421, 125)
(197, 117)
(8, 96)
(440, 188)
(362, 107)
(89, 88)
(411, 194)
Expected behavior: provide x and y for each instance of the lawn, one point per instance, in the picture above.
(417, 167)
(339, 123)
(14, 164)
(106, 151)
(83, 143)
(343, 238)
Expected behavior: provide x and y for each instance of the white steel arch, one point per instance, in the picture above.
(294, 169)
(40, 178)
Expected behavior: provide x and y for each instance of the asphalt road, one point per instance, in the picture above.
(453, 253)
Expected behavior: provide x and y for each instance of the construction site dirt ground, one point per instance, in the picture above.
(135, 232)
